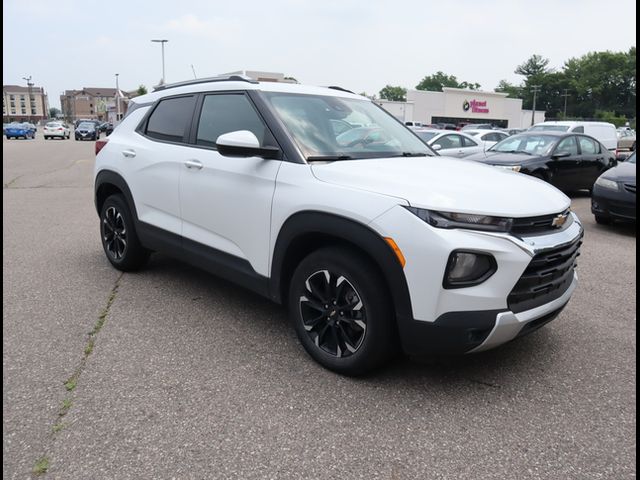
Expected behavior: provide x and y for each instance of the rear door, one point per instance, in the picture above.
(153, 158)
(567, 173)
(451, 145)
(226, 201)
(592, 161)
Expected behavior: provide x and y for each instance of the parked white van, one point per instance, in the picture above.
(603, 131)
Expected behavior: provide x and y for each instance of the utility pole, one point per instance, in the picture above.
(117, 99)
(194, 71)
(536, 89)
(29, 87)
(162, 42)
(565, 95)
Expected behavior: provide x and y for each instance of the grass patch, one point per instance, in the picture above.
(58, 427)
(41, 466)
(71, 384)
(89, 348)
(66, 405)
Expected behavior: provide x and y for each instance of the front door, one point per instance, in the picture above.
(226, 201)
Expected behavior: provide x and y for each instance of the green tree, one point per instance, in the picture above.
(512, 91)
(535, 65)
(53, 112)
(435, 83)
(395, 94)
(142, 90)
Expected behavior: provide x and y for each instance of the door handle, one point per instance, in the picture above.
(193, 164)
(129, 153)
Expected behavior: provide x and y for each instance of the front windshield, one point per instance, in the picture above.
(370, 131)
(632, 158)
(531, 144)
(549, 128)
(85, 125)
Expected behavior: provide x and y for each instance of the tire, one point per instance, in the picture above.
(46, 138)
(118, 235)
(633, 147)
(602, 220)
(352, 340)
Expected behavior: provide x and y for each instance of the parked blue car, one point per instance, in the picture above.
(20, 130)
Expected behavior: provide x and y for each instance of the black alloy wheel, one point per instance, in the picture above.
(333, 314)
(119, 238)
(114, 233)
(341, 310)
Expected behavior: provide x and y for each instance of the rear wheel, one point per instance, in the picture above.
(341, 311)
(119, 238)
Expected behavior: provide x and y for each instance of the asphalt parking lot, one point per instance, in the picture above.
(187, 376)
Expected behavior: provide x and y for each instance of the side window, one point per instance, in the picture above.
(568, 145)
(226, 113)
(467, 142)
(449, 141)
(578, 130)
(588, 146)
(171, 118)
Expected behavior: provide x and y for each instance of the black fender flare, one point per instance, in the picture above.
(109, 177)
(346, 230)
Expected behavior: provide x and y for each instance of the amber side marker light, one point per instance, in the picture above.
(396, 250)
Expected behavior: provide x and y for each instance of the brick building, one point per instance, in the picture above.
(24, 104)
(91, 103)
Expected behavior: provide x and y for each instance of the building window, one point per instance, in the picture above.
(24, 111)
(12, 97)
(33, 111)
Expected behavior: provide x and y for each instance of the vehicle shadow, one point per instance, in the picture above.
(264, 324)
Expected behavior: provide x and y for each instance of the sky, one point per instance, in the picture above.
(359, 45)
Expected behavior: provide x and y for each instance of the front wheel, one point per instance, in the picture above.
(602, 220)
(119, 238)
(341, 311)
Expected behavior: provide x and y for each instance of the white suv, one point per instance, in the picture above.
(371, 239)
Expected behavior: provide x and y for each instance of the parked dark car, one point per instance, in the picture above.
(20, 130)
(87, 131)
(97, 123)
(568, 161)
(614, 193)
(109, 129)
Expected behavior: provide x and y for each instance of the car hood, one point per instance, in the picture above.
(624, 172)
(501, 158)
(447, 184)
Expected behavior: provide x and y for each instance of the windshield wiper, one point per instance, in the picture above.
(409, 154)
(510, 151)
(328, 158)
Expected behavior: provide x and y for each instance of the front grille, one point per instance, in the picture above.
(541, 224)
(547, 277)
(630, 187)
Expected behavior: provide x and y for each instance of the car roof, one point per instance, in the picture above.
(552, 133)
(221, 85)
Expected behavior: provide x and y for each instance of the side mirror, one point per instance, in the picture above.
(437, 147)
(558, 155)
(243, 143)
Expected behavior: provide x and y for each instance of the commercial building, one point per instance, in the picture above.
(459, 106)
(24, 104)
(91, 103)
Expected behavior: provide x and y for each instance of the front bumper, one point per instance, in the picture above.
(477, 318)
(613, 204)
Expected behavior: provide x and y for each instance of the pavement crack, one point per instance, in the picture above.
(482, 382)
(11, 182)
(42, 463)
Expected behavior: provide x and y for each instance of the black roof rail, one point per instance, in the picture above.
(334, 87)
(223, 78)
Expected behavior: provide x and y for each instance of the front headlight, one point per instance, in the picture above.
(462, 220)
(515, 168)
(606, 183)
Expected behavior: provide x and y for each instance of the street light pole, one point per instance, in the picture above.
(162, 42)
(117, 99)
(29, 86)
(536, 89)
(565, 95)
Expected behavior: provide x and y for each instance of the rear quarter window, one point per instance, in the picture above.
(170, 119)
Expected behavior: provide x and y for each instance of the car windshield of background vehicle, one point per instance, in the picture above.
(632, 159)
(373, 133)
(549, 128)
(86, 125)
(530, 144)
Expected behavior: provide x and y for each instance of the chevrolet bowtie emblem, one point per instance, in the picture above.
(559, 220)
